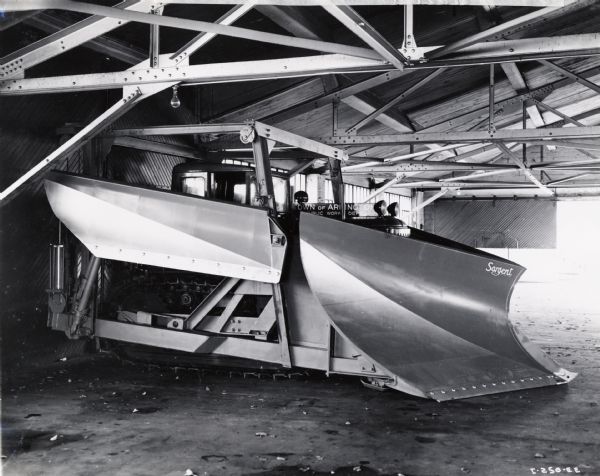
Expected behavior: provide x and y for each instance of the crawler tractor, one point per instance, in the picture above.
(227, 266)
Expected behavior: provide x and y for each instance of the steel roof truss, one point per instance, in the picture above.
(361, 28)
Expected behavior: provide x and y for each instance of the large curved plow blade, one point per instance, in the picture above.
(431, 312)
(154, 227)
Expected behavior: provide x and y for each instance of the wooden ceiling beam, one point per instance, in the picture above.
(294, 20)
(569, 74)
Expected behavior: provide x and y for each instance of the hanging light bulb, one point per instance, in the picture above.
(175, 102)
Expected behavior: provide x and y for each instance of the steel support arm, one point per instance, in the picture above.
(568, 179)
(564, 117)
(203, 38)
(80, 138)
(503, 135)
(299, 25)
(264, 180)
(433, 184)
(337, 184)
(361, 28)
(320, 3)
(282, 327)
(104, 45)
(389, 184)
(71, 37)
(128, 54)
(420, 166)
(296, 22)
(213, 73)
(154, 52)
(575, 77)
(301, 167)
(429, 151)
(409, 42)
(262, 130)
(82, 300)
(415, 87)
(196, 74)
(526, 49)
(189, 341)
(158, 147)
(570, 145)
(476, 175)
(499, 30)
(178, 130)
(195, 25)
(432, 149)
(131, 96)
(289, 138)
(400, 124)
(512, 156)
(341, 94)
(210, 302)
(430, 200)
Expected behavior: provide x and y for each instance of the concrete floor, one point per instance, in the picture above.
(97, 416)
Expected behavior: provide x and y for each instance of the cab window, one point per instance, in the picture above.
(195, 185)
(281, 189)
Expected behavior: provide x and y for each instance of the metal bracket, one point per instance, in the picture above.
(289, 138)
(155, 39)
(409, 49)
(247, 134)
(491, 113)
(286, 359)
(278, 240)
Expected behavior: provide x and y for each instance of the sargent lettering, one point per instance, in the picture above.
(498, 270)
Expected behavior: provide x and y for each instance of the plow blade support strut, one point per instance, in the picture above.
(431, 312)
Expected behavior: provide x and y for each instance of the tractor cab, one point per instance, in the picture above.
(237, 184)
(228, 182)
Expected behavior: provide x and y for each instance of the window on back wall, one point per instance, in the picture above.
(578, 231)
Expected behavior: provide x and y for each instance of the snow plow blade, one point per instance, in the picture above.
(158, 228)
(432, 312)
(418, 313)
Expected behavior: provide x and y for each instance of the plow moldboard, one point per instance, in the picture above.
(434, 316)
